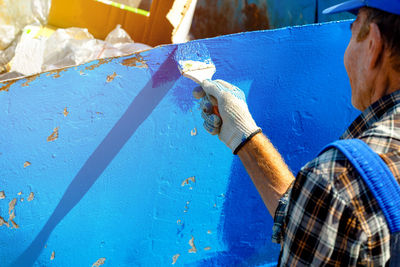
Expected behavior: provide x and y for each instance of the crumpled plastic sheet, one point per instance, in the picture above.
(64, 48)
(16, 14)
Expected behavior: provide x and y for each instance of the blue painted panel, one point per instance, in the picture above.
(112, 184)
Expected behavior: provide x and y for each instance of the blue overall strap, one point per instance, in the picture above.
(376, 175)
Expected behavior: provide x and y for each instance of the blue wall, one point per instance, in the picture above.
(110, 186)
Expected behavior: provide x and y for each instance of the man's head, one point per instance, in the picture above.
(372, 58)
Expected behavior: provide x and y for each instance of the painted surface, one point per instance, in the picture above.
(108, 164)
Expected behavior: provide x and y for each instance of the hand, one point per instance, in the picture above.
(234, 123)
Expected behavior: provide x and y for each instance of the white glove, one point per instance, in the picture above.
(237, 125)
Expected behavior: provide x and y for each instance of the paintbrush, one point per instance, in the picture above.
(194, 62)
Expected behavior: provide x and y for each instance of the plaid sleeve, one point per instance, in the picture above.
(320, 228)
(280, 214)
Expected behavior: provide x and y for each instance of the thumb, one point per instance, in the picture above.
(211, 88)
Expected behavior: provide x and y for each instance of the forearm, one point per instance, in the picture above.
(269, 173)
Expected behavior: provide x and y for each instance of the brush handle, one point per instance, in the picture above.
(214, 104)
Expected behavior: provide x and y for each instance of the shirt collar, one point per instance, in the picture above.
(371, 115)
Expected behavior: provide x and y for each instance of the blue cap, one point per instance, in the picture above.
(390, 6)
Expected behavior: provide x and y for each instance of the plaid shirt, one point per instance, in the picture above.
(329, 216)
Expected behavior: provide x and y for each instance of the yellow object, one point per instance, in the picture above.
(100, 18)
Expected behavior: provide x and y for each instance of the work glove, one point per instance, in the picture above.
(225, 113)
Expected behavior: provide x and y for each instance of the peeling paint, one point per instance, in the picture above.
(191, 243)
(56, 73)
(12, 216)
(26, 164)
(209, 232)
(65, 112)
(29, 80)
(186, 181)
(7, 85)
(187, 206)
(207, 248)
(100, 62)
(193, 132)
(135, 61)
(99, 262)
(11, 206)
(178, 222)
(175, 258)
(15, 226)
(53, 136)
(111, 77)
(2, 195)
(19, 193)
(3, 222)
(53, 255)
(22, 200)
(31, 196)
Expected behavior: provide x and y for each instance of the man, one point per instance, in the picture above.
(328, 215)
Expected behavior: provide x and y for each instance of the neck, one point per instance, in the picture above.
(387, 81)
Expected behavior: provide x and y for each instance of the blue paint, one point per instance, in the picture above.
(132, 136)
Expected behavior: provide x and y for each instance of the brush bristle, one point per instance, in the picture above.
(192, 52)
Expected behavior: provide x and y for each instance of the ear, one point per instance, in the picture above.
(375, 46)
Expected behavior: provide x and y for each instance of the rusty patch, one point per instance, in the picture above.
(175, 258)
(100, 62)
(53, 255)
(29, 80)
(14, 225)
(22, 199)
(207, 248)
(186, 181)
(53, 136)
(191, 243)
(11, 216)
(65, 112)
(3, 222)
(31, 196)
(2, 195)
(111, 77)
(26, 164)
(193, 132)
(56, 73)
(214, 18)
(135, 61)
(7, 85)
(209, 232)
(11, 206)
(99, 262)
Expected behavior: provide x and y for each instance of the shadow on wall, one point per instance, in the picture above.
(214, 18)
(245, 225)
